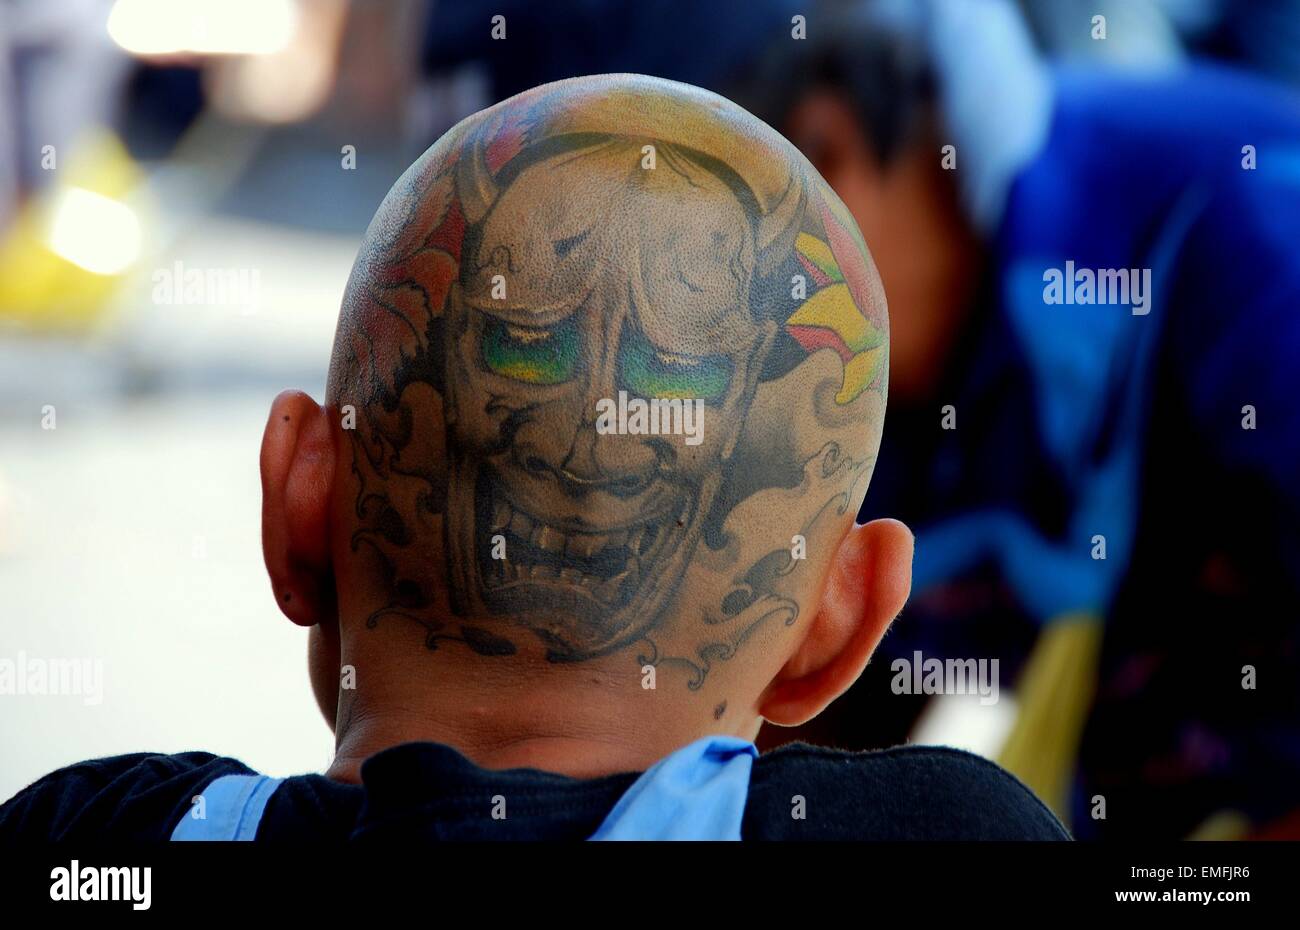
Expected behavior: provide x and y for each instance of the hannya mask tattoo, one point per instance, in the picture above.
(556, 259)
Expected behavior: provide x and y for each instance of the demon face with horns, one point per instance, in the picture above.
(589, 250)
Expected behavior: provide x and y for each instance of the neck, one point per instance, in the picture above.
(578, 757)
(497, 726)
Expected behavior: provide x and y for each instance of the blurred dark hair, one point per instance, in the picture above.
(884, 74)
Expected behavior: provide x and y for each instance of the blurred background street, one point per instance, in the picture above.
(184, 184)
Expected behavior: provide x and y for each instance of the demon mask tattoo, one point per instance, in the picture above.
(552, 258)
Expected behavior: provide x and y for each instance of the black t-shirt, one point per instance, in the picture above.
(427, 791)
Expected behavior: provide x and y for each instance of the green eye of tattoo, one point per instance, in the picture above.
(648, 372)
(531, 354)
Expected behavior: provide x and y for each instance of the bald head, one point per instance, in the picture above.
(617, 359)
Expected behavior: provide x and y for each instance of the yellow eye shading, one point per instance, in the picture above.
(648, 371)
(531, 354)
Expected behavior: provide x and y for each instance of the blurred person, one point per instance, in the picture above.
(530, 617)
(1067, 462)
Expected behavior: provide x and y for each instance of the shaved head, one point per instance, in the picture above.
(611, 373)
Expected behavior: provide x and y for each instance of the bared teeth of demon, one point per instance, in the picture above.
(560, 546)
(609, 590)
(584, 545)
(548, 539)
(520, 525)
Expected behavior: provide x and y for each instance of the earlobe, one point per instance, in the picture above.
(868, 585)
(297, 466)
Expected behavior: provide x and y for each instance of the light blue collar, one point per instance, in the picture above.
(231, 808)
(696, 793)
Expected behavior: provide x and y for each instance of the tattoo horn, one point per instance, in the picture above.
(778, 227)
(474, 182)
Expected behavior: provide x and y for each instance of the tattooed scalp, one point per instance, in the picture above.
(617, 357)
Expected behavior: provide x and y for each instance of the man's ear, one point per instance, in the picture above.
(868, 585)
(297, 465)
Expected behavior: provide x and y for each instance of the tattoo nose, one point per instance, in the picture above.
(619, 485)
(576, 482)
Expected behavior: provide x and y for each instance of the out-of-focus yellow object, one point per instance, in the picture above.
(1225, 825)
(67, 250)
(1055, 693)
